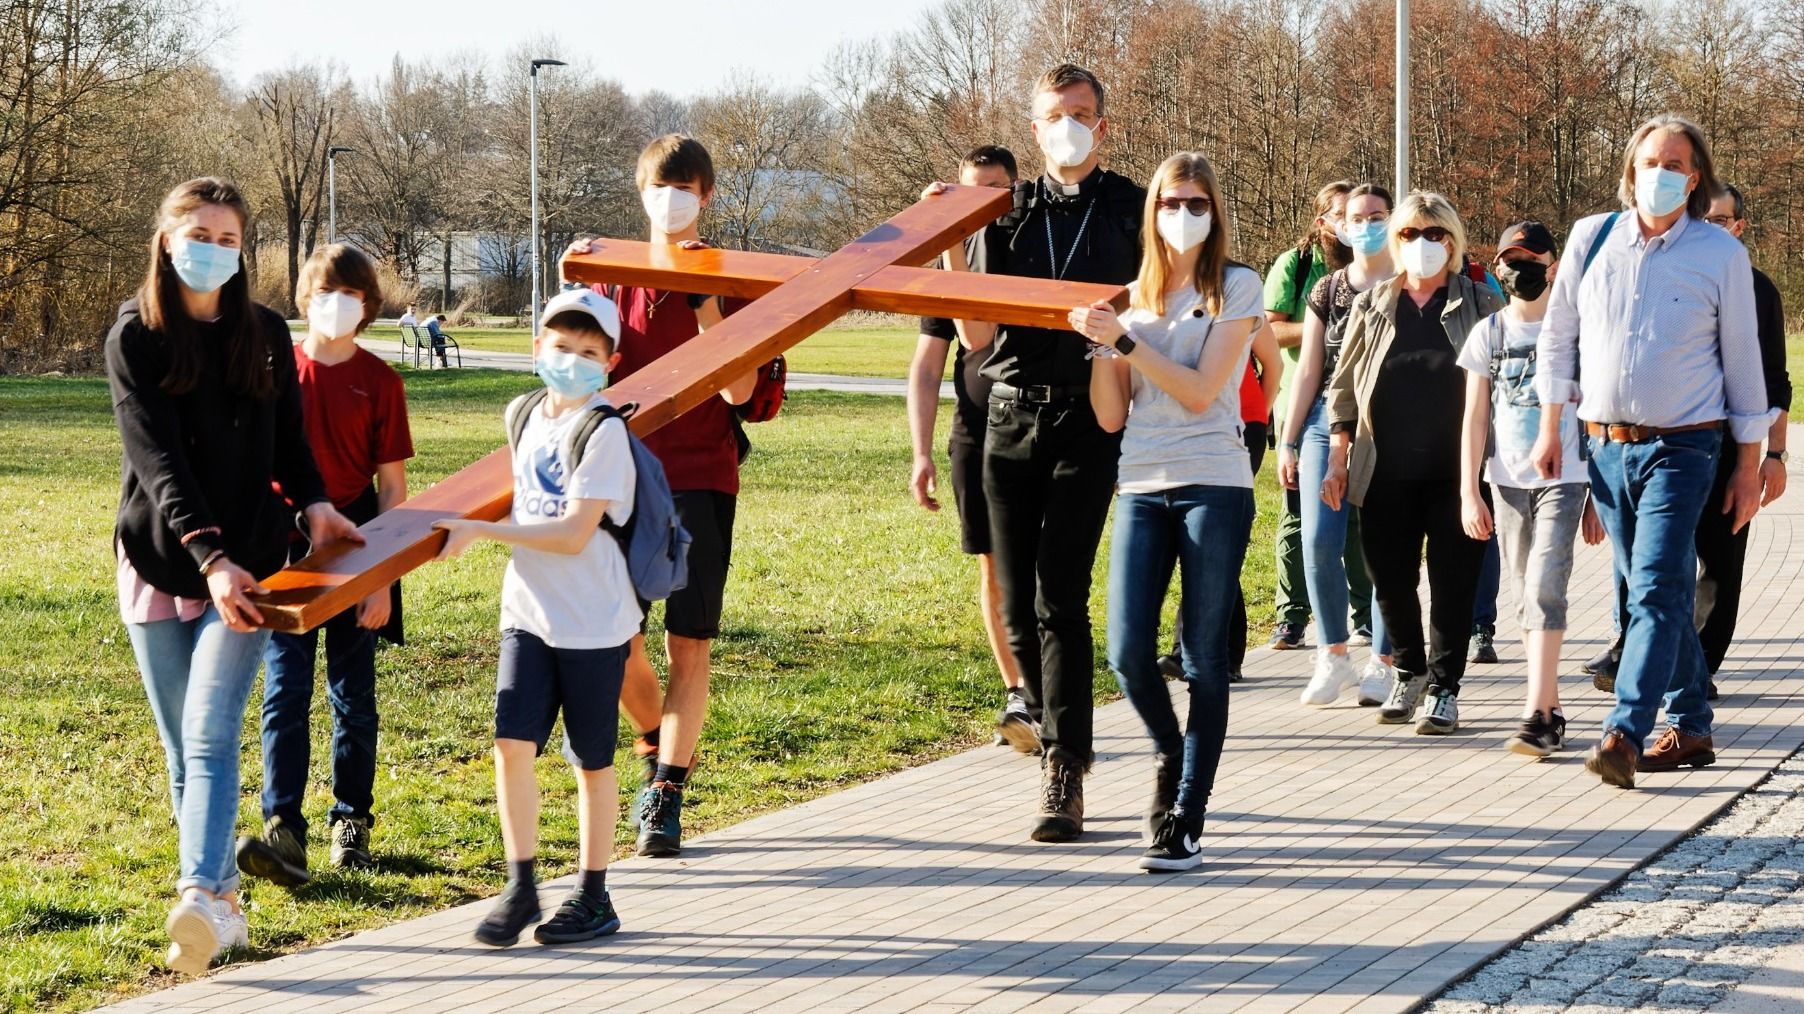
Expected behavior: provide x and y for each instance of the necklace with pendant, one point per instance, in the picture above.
(652, 310)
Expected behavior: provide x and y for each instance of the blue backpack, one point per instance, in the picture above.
(653, 540)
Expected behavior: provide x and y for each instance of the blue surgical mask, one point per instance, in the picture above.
(570, 375)
(1367, 238)
(202, 267)
(1660, 192)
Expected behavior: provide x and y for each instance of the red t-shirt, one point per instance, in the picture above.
(1253, 408)
(697, 449)
(356, 417)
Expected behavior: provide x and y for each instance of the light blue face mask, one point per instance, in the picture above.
(1367, 238)
(1660, 192)
(570, 375)
(202, 267)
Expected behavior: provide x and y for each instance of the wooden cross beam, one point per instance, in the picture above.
(794, 297)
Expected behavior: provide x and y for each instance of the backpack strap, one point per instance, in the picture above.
(1597, 242)
(519, 412)
(585, 430)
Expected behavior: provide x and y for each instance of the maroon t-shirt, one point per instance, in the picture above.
(697, 449)
(356, 418)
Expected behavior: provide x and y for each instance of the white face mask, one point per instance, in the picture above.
(670, 210)
(1067, 142)
(1182, 230)
(334, 314)
(1423, 257)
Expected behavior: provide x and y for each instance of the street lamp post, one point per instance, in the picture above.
(1402, 98)
(538, 279)
(332, 154)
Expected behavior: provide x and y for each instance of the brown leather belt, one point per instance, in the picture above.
(1627, 433)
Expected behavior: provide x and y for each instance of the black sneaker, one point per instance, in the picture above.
(280, 856)
(1168, 770)
(1537, 737)
(1483, 651)
(1176, 846)
(1236, 676)
(1171, 666)
(1711, 693)
(578, 919)
(661, 820)
(1602, 670)
(516, 908)
(1015, 725)
(1287, 636)
(351, 844)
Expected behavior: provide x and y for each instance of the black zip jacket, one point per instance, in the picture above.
(205, 459)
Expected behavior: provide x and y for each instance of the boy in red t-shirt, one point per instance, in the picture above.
(356, 417)
(675, 177)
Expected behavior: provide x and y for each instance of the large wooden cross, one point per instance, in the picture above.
(793, 298)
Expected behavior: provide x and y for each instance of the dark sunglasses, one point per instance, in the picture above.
(1433, 234)
(1198, 206)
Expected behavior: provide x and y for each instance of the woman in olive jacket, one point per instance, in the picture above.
(203, 386)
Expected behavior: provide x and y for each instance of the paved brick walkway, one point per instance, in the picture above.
(1350, 866)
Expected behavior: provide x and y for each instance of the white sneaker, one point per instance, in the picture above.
(1441, 716)
(234, 929)
(193, 930)
(1333, 673)
(1375, 682)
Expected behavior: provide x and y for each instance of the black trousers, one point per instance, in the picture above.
(1722, 557)
(1049, 474)
(1398, 518)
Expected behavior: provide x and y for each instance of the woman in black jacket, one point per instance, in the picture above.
(203, 385)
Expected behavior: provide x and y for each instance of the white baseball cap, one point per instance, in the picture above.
(596, 305)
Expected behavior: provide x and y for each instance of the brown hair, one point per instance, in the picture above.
(340, 266)
(160, 306)
(1324, 203)
(1698, 204)
(1064, 76)
(991, 154)
(1155, 262)
(677, 158)
(577, 324)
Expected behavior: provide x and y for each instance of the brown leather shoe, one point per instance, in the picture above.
(1061, 816)
(1675, 750)
(1613, 760)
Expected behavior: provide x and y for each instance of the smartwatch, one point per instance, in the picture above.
(1125, 345)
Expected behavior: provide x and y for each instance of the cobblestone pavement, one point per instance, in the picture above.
(1678, 934)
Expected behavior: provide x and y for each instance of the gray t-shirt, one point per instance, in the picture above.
(1166, 445)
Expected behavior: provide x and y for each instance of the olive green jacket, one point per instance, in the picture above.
(1371, 325)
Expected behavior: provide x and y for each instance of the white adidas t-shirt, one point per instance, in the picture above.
(586, 599)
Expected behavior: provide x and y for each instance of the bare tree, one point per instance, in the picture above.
(294, 116)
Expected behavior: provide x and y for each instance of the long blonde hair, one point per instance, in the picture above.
(1155, 260)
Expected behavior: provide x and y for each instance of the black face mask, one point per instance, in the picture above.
(1524, 280)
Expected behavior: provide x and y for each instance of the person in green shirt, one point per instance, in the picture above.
(1287, 285)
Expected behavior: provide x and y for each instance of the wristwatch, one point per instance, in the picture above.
(1125, 345)
(1780, 456)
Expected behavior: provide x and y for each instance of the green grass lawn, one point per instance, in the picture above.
(848, 351)
(852, 647)
(1794, 363)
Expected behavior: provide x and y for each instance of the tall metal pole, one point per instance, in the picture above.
(332, 197)
(1402, 98)
(538, 278)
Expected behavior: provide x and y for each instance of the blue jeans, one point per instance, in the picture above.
(288, 665)
(198, 676)
(1325, 541)
(1490, 576)
(1650, 496)
(1203, 530)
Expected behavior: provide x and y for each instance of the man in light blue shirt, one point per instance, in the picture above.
(1654, 336)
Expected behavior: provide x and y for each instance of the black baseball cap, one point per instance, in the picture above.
(1531, 236)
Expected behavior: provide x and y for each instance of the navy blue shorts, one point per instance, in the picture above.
(536, 680)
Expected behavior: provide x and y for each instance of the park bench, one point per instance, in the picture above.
(416, 339)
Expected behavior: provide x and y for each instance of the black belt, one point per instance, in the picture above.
(1039, 394)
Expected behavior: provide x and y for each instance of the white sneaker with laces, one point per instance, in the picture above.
(234, 929)
(193, 933)
(1375, 682)
(1440, 714)
(1333, 673)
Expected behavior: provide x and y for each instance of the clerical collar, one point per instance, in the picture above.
(1061, 192)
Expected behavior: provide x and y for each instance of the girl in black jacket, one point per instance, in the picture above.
(203, 385)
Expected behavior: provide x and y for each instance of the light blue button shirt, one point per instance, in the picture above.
(1665, 329)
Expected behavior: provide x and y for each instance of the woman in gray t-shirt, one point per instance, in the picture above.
(1166, 369)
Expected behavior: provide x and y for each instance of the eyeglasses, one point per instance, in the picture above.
(1198, 206)
(1433, 234)
(1722, 220)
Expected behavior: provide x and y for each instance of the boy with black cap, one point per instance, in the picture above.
(1536, 518)
(568, 615)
